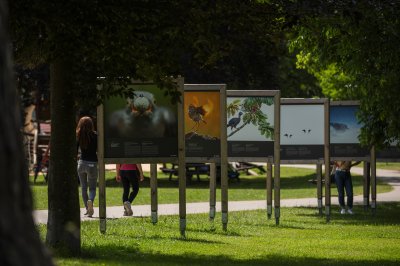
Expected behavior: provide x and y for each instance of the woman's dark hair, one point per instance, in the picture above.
(84, 129)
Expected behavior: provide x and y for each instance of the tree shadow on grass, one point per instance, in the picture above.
(117, 255)
(183, 239)
(213, 232)
(386, 214)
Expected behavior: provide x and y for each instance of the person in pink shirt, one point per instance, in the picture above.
(129, 174)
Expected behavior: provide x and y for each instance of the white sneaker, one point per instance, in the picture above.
(350, 211)
(90, 210)
(128, 208)
(343, 211)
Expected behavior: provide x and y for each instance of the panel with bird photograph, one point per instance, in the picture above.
(302, 124)
(250, 118)
(202, 114)
(141, 123)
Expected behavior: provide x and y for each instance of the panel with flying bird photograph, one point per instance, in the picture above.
(302, 131)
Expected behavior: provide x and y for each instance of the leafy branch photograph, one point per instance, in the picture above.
(248, 112)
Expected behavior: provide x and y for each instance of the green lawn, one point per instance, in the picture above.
(302, 238)
(388, 166)
(294, 184)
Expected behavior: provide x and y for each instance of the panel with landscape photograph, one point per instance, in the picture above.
(344, 131)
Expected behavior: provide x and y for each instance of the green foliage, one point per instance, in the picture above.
(296, 82)
(233, 107)
(265, 129)
(252, 113)
(239, 43)
(352, 49)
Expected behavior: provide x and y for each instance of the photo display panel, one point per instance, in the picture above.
(142, 125)
(302, 131)
(344, 130)
(202, 112)
(250, 126)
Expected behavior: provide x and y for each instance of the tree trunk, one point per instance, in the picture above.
(19, 241)
(63, 225)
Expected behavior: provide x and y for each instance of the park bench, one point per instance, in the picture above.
(191, 170)
(246, 167)
(196, 169)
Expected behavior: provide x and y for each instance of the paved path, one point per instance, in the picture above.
(389, 176)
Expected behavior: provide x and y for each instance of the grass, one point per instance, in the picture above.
(294, 184)
(302, 238)
(388, 166)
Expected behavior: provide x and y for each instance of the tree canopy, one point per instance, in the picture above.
(351, 47)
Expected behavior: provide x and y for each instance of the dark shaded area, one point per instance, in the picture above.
(20, 243)
(154, 259)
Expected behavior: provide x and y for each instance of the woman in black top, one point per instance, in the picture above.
(87, 165)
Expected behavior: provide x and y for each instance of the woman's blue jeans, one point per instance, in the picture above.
(87, 172)
(343, 182)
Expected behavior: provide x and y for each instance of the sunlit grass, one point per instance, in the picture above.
(294, 184)
(302, 238)
(388, 166)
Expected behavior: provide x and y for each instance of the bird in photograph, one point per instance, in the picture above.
(196, 114)
(142, 117)
(304, 130)
(233, 122)
(309, 131)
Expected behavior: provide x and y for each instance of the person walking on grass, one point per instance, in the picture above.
(86, 139)
(344, 182)
(129, 174)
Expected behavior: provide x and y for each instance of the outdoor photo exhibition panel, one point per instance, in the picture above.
(205, 141)
(143, 126)
(252, 120)
(345, 129)
(302, 130)
(202, 107)
(304, 135)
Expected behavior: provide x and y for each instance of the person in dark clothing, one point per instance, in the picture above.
(129, 174)
(87, 164)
